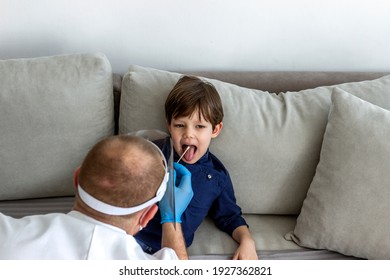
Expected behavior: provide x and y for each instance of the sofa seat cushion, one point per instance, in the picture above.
(270, 142)
(267, 230)
(36, 206)
(52, 110)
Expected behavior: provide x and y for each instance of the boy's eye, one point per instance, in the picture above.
(178, 125)
(200, 126)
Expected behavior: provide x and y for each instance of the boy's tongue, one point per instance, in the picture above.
(189, 155)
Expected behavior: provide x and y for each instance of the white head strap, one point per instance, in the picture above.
(109, 209)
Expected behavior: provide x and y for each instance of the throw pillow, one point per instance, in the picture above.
(347, 206)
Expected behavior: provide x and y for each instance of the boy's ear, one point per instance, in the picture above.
(217, 130)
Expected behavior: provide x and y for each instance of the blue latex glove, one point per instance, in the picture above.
(183, 195)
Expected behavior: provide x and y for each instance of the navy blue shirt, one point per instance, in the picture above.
(213, 196)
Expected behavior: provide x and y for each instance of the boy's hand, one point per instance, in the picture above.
(247, 248)
(246, 251)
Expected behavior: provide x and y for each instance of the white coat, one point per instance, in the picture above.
(69, 236)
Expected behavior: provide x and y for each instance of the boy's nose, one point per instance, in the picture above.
(188, 133)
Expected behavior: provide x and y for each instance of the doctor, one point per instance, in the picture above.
(117, 187)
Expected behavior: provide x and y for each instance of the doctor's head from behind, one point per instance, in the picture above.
(120, 181)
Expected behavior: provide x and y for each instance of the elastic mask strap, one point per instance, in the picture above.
(120, 211)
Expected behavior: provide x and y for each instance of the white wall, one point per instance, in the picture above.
(204, 34)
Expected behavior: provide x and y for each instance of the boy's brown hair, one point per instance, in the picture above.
(190, 94)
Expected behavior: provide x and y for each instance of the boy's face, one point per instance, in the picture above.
(194, 132)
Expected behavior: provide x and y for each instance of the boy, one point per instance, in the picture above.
(194, 113)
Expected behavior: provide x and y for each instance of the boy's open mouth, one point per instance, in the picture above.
(189, 155)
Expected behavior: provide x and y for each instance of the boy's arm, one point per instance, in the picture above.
(247, 248)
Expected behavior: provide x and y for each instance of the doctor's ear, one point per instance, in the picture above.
(76, 176)
(148, 215)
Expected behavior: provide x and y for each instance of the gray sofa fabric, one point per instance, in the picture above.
(52, 109)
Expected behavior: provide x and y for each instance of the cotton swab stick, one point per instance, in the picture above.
(188, 147)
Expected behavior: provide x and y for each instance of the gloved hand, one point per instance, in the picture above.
(183, 195)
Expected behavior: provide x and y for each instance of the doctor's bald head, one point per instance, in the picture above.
(123, 171)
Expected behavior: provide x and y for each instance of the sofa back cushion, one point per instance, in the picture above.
(270, 142)
(52, 110)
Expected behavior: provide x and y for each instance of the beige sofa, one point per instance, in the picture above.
(307, 158)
